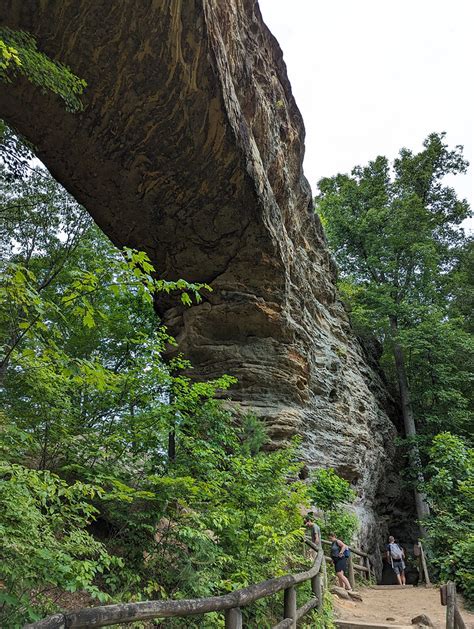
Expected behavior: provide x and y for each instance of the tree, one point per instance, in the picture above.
(395, 233)
(42, 227)
(60, 278)
(439, 362)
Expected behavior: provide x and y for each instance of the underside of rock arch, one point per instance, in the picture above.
(190, 147)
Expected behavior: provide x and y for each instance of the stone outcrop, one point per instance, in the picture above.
(190, 147)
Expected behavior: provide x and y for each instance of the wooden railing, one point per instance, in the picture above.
(363, 566)
(231, 604)
(453, 615)
(419, 552)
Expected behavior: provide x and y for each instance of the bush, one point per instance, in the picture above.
(450, 527)
(44, 544)
(329, 492)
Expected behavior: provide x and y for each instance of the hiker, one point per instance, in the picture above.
(313, 532)
(339, 555)
(396, 556)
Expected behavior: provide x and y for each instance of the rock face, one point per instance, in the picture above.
(190, 147)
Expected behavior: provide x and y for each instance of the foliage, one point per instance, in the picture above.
(342, 522)
(392, 233)
(44, 544)
(44, 297)
(19, 55)
(461, 287)
(8, 57)
(322, 620)
(395, 233)
(450, 528)
(16, 155)
(329, 492)
(440, 360)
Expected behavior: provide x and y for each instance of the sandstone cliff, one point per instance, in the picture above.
(190, 147)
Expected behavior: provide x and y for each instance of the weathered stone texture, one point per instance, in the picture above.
(190, 147)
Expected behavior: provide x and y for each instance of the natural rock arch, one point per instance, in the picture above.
(190, 147)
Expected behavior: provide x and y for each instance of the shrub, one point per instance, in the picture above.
(44, 544)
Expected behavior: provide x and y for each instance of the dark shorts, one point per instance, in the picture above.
(398, 567)
(340, 563)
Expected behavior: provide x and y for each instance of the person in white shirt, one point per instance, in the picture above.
(396, 558)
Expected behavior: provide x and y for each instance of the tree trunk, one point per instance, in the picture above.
(7, 349)
(171, 446)
(422, 508)
(172, 433)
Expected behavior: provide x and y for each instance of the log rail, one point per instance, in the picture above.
(231, 604)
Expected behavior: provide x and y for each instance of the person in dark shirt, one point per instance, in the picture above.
(339, 554)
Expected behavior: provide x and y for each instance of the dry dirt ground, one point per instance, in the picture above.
(398, 607)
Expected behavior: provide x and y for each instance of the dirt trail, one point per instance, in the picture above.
(397, 607)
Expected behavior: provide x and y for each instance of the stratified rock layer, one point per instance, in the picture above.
(190, 147)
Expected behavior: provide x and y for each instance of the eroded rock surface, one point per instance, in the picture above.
(190, 147)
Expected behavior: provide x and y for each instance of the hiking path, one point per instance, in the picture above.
(394, 606)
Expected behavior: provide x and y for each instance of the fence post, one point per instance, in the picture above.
(290, 605)
(350, 567)
(317, 589)
(450, 604)
(460, 624)
(325, 573)
(233, 618)
(424, 566)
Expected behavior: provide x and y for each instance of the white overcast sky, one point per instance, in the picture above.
(371, 76)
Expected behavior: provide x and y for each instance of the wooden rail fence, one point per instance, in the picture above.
(453, 615)
(231, 604)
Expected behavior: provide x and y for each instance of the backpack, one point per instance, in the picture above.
(395, 552)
